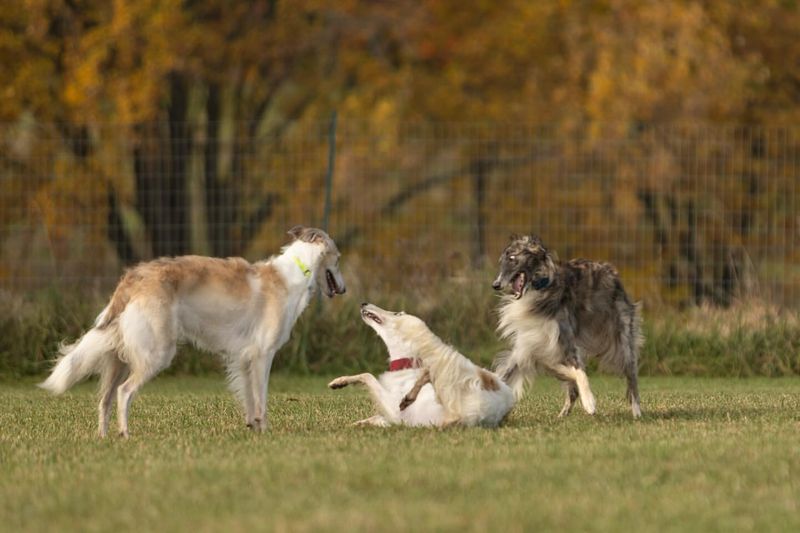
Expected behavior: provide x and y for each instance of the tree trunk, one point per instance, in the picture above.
(479, 170)
(219, 205)
(176, 193)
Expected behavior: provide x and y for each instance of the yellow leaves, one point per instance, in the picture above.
(651, 61)
(550, 60)
(73, 198)
(116, 68)
(83, 87)
(602, 87)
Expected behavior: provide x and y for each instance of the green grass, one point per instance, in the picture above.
(709, 455)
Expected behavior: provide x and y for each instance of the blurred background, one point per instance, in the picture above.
(661, 136)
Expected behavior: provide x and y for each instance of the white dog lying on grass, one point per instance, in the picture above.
(428, 383)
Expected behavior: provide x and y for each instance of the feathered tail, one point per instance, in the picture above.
(79, 360)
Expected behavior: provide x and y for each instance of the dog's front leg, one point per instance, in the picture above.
(571, 394)
(380, 396)
(572, 369)
(515, 368)
(450, 421)
(576, 376)
(411, 396)
(259, 382)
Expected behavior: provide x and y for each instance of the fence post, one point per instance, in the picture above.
(301, 349)
(326, 214)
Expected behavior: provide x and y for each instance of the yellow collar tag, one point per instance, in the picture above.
(303, 268)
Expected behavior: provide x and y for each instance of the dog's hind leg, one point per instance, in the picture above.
(113, 373)
(628, 346)
(632, 368)
(377, 421)
(125, 394)
(149, 344)
(139, 376)
(571, 394)
(633, 391)
(380, 396)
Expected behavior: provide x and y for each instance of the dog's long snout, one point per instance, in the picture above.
(496, 285)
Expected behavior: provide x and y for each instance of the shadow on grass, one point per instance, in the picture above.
(700, 413)
(703, 413)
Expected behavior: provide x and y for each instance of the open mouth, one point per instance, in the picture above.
(518, 285)
(369, 315)
(333, 288)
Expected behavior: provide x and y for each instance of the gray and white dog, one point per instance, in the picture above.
(558, 315)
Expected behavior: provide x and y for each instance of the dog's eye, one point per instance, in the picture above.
(399, 313)
(512, 257)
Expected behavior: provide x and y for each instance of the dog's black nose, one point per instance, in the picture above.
(496, 285)
(364, 304)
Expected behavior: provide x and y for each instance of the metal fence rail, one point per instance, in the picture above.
(689, 214)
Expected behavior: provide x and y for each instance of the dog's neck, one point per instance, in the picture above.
(399, 353)
(299, 261)
(402, 363)
(400, 357)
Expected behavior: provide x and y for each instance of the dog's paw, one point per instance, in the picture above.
(338, 383)
(589, 404)
(258, 425)
(406, 401)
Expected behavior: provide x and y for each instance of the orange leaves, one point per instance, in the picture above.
(119, 64)
(551, 60)
(74, 197)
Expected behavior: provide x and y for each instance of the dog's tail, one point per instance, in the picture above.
(82, 358)
(623, 356)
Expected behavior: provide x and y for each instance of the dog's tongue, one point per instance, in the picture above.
(519, 282)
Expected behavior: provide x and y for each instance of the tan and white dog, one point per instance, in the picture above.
(243, 311)
(429, 383)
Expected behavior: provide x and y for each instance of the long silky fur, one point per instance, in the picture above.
(567, 313)
(240, 310)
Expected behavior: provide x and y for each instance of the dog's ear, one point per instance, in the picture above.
(545, 274)
(535, 240)
(296, 232)
(314, 235)
(513, 237)
(311, 235)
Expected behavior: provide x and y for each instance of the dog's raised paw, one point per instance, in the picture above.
(405, 402)
(338, 383)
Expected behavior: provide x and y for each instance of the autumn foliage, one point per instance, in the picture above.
(658, 135)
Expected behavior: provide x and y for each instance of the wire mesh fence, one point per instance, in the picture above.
(689, 214)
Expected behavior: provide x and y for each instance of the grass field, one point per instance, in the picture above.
(709, 455)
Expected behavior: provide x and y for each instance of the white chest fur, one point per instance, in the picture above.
(531, 334)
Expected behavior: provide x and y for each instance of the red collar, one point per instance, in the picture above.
(402, 364)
